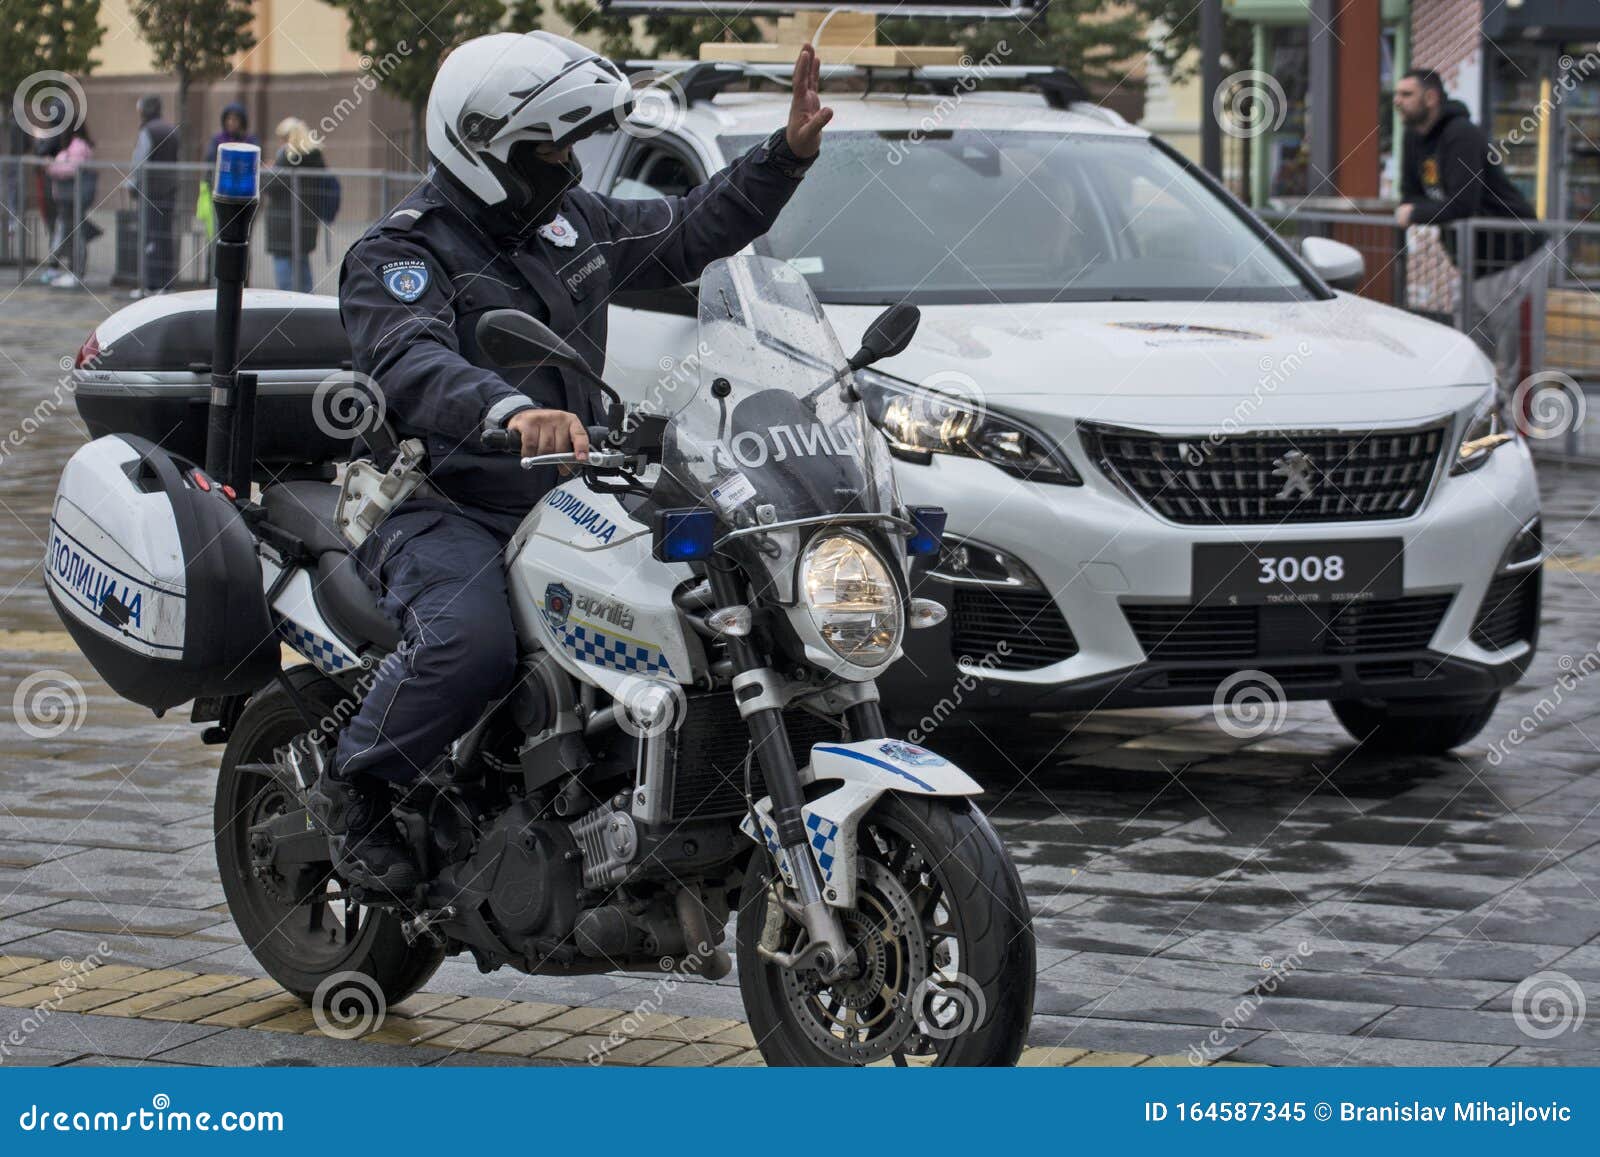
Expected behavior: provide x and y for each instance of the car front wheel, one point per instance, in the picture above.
(1414, 726)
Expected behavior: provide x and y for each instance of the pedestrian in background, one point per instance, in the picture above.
(1447, 174)
(235, 130)
(155, 189)
(73, 186)
(294, 194)
(52, 138)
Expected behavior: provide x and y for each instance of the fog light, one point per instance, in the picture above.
(1526, 548)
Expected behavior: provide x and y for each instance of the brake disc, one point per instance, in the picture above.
(873, 1013)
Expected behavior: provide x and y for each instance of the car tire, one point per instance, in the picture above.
(1414, 726)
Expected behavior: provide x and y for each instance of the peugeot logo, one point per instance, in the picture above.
(1297, 471)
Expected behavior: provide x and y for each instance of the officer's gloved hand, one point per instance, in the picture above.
(550, 432)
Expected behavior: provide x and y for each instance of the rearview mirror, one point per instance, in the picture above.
(511, 338)
(1340, 265)
(890, 332)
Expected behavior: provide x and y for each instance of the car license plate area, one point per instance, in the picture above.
(1323, 571)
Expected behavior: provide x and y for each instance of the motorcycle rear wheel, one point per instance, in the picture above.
(301, 944)
(968, 1000)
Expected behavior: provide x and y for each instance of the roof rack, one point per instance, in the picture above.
(702, 80)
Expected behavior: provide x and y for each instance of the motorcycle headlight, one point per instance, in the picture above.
(922, 421)
(852, 597)
(1489, 429)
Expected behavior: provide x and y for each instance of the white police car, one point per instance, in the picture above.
(1178, 466)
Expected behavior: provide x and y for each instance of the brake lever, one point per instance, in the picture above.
(598, 460)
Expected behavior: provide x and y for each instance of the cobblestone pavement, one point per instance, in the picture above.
(1286, 900)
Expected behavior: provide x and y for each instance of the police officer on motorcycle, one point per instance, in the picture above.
(501, 222)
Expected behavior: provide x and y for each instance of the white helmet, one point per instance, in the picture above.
(501, 90)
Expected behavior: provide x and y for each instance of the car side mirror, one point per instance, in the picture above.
(890, 332)
(511, 339)
(1340, 265)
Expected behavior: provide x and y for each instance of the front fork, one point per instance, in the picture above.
(755, 690)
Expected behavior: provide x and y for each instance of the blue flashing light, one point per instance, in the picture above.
(929, 522)
(685, 535)
(238, 175)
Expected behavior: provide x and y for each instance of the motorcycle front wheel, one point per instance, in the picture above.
(943, 942)
(297, 927)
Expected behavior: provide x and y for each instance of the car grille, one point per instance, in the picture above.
(1028, 622)
(1509, 611)
(708, 781)
(1182, 633)
(1248, 478)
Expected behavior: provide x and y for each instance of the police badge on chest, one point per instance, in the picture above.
(559, 233)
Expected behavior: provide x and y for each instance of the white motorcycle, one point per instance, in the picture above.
(702, 609)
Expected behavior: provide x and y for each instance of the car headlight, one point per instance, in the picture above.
(922, 421)
(853, 599)
(1491, 427)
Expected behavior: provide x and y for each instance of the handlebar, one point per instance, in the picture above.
(508, 442)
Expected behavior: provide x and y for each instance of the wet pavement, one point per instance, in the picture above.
(1286, 899)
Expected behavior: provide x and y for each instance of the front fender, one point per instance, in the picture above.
(864, 771)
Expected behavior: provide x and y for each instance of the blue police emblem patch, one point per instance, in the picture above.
(557, 603)
(405, 280)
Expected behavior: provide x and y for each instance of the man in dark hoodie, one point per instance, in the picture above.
(155, 187)
(1446, 175)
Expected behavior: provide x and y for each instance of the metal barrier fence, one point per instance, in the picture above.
(1532, 308)
(107, 228)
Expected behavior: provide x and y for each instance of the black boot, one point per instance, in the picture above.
(366, 848)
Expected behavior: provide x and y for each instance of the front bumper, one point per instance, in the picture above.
(1111, 623)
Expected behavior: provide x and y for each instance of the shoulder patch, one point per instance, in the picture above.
(405, 280)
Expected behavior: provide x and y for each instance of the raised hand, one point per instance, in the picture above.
(807, 116)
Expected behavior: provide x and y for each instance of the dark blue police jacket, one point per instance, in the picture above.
(412, 289)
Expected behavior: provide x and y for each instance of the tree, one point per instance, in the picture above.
(40, 36)
(1095, 40)
(671, 37)
(412, 39)
(196, 41)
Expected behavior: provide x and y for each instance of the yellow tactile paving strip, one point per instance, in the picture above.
(556, 1033)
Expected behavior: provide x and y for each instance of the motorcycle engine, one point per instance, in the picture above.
(527, 871)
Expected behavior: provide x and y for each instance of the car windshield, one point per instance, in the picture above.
(968, 216)
(762, 419)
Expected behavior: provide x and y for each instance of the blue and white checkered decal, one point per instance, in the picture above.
(326, 655)
(770, 834)
(825, 839)
(589, 644)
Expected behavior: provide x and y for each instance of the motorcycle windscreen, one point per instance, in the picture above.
(765, 420)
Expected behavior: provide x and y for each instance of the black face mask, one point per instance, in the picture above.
(535, 187)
